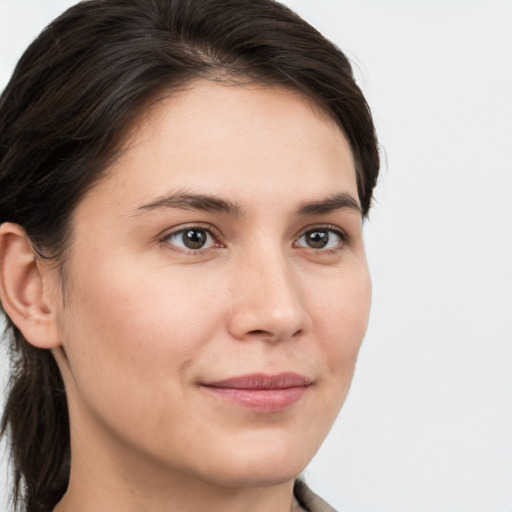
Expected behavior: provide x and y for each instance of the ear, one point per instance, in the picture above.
(26, 288)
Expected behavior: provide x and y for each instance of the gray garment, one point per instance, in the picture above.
(308, 500)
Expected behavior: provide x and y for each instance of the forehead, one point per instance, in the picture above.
(233, 141)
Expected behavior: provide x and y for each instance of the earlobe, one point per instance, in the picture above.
(24, 292)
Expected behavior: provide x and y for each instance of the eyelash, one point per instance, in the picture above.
(344, 239)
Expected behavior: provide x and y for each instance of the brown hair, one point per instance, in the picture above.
(62, 118)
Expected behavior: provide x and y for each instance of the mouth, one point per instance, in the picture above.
(261, 392)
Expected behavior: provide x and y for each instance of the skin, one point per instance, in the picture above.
(146, 321)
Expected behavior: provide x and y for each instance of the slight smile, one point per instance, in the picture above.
(261, 392)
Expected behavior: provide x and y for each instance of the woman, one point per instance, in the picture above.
(182, 264)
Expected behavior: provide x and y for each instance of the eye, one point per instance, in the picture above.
(321, 238)
(191, 239)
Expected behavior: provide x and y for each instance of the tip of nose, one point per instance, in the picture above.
(272, 322)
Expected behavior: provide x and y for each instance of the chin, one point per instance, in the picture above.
(265, 462)
(263, 473)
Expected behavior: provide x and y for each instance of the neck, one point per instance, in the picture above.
(120, 499)
(105, 477)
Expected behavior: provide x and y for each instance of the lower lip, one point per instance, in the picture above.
(261, 400)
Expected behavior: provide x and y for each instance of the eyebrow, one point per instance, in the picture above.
(330, 204)
(189, 201)
(206, 203)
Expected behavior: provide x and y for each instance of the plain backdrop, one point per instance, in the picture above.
(428, 422)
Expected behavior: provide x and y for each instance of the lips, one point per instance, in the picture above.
(261, 392)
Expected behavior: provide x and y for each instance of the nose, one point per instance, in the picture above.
(267, 300)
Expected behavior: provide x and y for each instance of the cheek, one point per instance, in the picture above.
(131, 325)
(131, 342)
(341, 317)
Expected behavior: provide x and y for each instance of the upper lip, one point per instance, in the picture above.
(261, 381)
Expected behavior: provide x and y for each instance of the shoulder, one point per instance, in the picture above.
(309, 500)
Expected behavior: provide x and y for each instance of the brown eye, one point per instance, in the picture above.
(194, 238)
(317, 239)
(191, 239)
(321, 239)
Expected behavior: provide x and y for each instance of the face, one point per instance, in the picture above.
(218, 290)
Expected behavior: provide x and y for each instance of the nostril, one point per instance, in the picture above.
(260, 332)
(268, 335)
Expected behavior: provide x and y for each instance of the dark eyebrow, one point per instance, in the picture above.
(331, 203)
(188, 201)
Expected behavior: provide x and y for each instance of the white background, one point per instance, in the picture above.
(428, 422)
